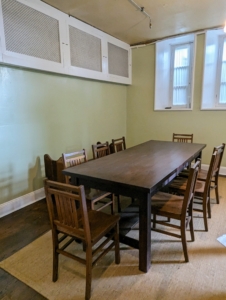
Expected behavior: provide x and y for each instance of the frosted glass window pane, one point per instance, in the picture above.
(179, 96)
(181, 57)
(222, 99)
(181, 75)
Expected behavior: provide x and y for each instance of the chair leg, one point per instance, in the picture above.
(216, 190)
(88, 271)
(191, 226)
(113, 204)
(117, 250)
(209, 207)
(55, 256)
(205, 216)
(154, 221)
(119, 205)
(184, 241)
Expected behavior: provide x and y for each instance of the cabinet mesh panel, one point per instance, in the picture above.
(30, 32)
(85, 50)
(117, 61)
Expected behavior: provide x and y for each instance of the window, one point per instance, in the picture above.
(174, 73)
(214, 73)
(180, 75)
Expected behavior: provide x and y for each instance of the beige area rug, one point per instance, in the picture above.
(203, 278)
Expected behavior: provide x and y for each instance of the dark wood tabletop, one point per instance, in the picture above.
(138, 172)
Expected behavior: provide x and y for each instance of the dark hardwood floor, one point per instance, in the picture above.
(24, 226)
(16, 231)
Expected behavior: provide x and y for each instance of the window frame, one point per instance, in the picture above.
(211, 75)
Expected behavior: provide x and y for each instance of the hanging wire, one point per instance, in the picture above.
(141, 9)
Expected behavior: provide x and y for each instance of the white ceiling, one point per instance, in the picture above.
(121, 19)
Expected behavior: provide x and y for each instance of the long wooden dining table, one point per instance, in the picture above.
(137, 172)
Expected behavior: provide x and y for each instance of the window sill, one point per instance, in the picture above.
(173, 109)
(214, 108)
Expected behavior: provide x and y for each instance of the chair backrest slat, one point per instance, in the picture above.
(73, 159)
(182, 138)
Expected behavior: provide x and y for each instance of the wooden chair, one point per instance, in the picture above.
(100, 150)
(178, 208)
(53, 169)
(92, 195)
(214, 180)
(202, 189)
(69, 217)
(182, 138)
(118, 145)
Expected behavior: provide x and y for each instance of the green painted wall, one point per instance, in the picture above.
(47, 113)
(143, 123)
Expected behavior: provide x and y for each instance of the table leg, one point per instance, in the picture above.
(145, 234)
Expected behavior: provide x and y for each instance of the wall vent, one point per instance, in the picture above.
(85, 50)
(30, 32)
(118, 61)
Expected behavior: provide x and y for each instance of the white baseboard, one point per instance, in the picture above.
(222, 169)
(20, 202)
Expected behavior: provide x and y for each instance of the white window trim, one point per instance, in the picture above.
(221, 40)
(162, 72)
(211, 76)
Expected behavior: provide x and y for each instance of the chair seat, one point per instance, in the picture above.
(100, 224)
(179, 185)
(167, 202)
(92, 195)
(202, 175)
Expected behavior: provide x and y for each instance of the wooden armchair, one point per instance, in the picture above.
(69, 216)
(203, 174)
(92, 195)
(53, 168)
(178, 208)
